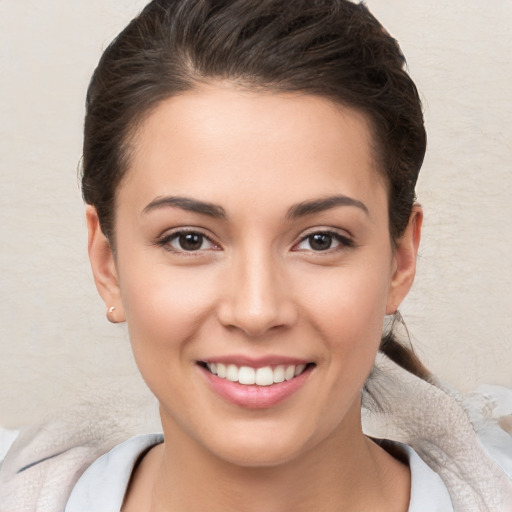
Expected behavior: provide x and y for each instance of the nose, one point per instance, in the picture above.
(257, 296)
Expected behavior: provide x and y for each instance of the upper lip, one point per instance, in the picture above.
(256, 362)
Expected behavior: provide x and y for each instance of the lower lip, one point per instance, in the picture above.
(252, 396)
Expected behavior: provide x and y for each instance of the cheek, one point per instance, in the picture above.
(167, 310)
(349, 306)
(344, 314)
(164, 305)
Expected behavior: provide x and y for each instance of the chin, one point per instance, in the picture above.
(260, 454)
(263, 444)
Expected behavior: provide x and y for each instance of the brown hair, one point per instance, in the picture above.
(332, 48)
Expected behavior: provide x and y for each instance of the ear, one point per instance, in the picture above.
(404, 261)
(103, 267)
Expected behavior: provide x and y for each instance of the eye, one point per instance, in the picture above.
(187, 241)
(323, 241)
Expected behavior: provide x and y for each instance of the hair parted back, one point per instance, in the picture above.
(335, 49)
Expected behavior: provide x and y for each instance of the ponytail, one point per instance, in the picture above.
(401, 352)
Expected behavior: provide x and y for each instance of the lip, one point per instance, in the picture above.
(254, 396)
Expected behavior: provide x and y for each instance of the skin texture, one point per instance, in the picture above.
(256, 288)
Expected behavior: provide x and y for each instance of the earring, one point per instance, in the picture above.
(110, 314)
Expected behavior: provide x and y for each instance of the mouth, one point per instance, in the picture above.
(253, 384)
(262, 376)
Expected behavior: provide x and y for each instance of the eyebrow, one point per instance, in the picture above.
(320, 205)
(188, 204)
(212, 210)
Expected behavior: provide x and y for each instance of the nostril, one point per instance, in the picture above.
(257, 321)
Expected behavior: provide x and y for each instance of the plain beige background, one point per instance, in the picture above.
(56, 347)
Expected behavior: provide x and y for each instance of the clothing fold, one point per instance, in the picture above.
(436, 423)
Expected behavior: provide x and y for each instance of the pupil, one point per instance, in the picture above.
(320, 241)
(191, 241)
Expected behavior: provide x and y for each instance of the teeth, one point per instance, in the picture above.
(299, 369)
(221, 370)
(232, 373)
(289, 373)
(265, 376)
(246, 375)
(279, 373)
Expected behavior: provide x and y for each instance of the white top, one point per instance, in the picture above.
(103, 485)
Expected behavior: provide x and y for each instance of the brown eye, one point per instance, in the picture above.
(320, 241)
(189, 241)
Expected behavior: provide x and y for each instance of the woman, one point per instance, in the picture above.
(249, 171)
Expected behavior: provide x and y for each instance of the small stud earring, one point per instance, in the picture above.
(110, 314)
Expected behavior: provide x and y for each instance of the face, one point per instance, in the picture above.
(254, 267)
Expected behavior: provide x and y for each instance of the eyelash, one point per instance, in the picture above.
(165, 242)
(343, 241)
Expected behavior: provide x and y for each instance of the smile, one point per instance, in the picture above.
(256, 384)
(264, 376)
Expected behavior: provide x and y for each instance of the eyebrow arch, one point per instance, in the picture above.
(320, 205)
(188, 204)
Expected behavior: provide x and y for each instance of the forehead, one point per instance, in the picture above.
(220, 140)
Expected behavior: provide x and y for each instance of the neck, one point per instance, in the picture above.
(345, 472)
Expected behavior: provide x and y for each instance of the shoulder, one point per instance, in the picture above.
(103, 485)
(427, 487)
(42, 464)
(89, 476)
(459, 439)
